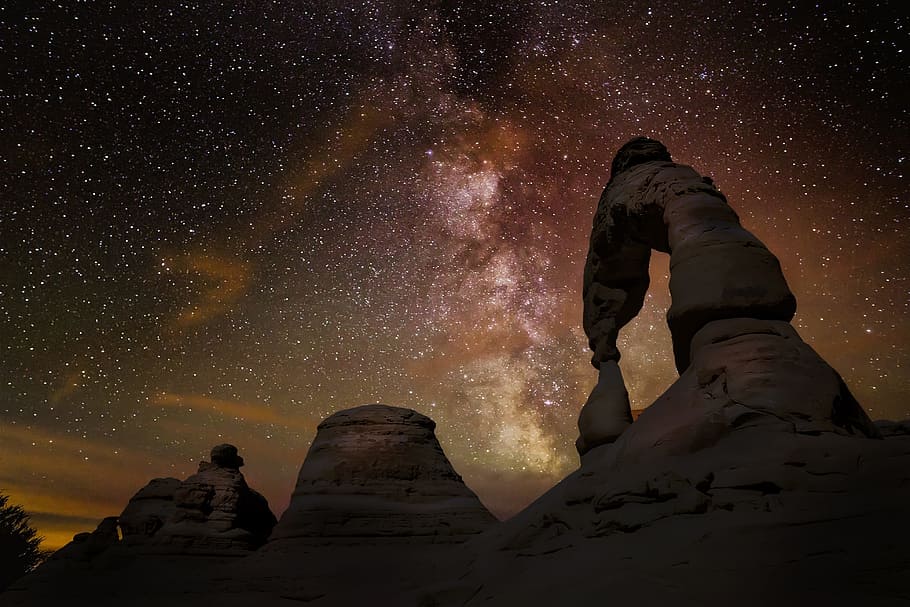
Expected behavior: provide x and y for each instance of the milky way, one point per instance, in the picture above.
(223, 223)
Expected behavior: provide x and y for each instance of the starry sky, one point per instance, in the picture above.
(222, 222)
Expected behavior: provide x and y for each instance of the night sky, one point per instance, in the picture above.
(224, 222)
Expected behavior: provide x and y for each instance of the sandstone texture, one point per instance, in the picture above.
(148, 510)
(756, 517)
(215, 509)
(378, 471)
(719, 271)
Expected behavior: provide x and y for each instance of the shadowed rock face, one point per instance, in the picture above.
(379, 472)
(215, 509)
(148, 510)
(718, 269)
(719, 272)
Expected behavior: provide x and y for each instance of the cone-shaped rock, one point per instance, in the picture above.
(379, 472)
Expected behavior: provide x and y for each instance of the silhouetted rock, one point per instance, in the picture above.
(378, 472)
(148, 510)
(719, 271)
(225, 456)
(215, 509)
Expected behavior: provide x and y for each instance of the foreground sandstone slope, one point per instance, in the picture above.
(746, 512)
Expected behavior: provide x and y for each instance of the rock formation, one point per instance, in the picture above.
(215, 509)
(752, 514)
(755, 479)
(718, 271)
(148, 510)
(378, 472)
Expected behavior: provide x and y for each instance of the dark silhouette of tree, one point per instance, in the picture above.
(19, 543)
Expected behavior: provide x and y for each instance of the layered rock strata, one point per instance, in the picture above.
(379, 472)
(718, 271)
(216, 509)
(213, 511)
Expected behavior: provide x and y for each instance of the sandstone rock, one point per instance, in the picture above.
(718, 271)
(378, 472)
(213, 512)
(148, 510)
(607, 412)
(745, 373)
(717, 268)
(755, 470)
(818, 515)
(215, 509)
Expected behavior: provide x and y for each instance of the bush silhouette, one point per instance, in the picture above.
(19, 543)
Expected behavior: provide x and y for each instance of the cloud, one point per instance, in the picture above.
(92, 478)
(250, 412)
(71, 384)
(335, 150)
(220, 281)
(256, 413)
